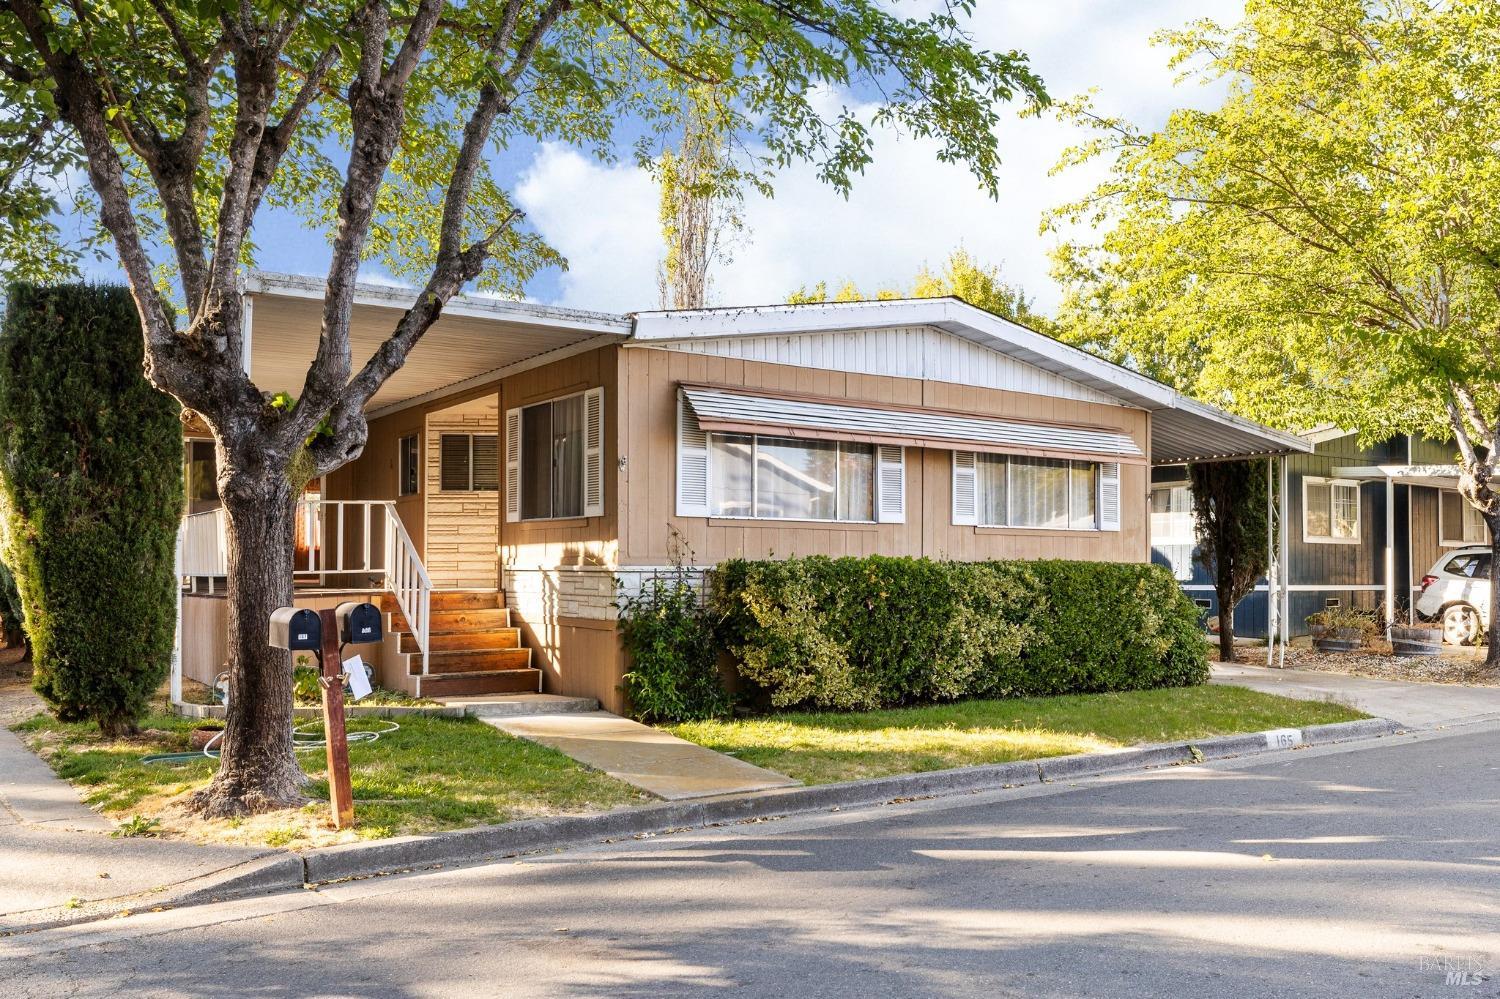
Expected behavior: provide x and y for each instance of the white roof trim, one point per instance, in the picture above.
(1435, 476)
(1324, 432)
(474, 306)
(725, 409)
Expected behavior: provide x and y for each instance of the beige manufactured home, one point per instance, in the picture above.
(529, 463)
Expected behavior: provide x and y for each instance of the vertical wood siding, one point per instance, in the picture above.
(905, 352)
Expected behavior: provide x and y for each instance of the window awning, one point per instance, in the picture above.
(730, 411)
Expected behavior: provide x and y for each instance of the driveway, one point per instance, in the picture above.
(1416, 705)
(1332, 871)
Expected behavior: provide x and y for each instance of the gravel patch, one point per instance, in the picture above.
(1467, 670)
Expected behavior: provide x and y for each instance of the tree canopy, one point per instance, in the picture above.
(961, 276)
(1319, 247)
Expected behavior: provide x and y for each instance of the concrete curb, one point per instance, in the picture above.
(485, 842)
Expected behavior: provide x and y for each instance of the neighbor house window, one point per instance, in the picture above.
(469, 462)
(1459, 523)
(1055, 493)
(409, 467)
(1330, 511)
(786, 479)
(1172, 515)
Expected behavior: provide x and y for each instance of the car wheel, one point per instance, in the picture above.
(1460, 625)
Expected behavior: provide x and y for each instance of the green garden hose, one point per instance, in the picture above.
(302, 742)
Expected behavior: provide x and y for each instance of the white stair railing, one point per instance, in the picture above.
(334, 538)
(406, 577)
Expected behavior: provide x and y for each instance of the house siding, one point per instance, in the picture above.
(646, 487)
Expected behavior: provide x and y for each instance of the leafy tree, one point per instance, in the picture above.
(378, 121)
(1229, 514)
(701, 201)
(1322, 246)
(962, 276)
(91, 474)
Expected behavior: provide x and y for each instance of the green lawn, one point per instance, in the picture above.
(435, 773)
(822, 747)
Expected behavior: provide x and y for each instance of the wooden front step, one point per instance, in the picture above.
(509, 681)
(458, 622)
(446, 600)
(470, 661)
(465, 641)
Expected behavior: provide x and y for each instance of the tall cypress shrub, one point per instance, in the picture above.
(91, 475)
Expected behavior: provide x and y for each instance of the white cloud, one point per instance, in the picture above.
(603, 219)
(908, 208)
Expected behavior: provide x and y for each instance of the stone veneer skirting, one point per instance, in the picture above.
(586, 591)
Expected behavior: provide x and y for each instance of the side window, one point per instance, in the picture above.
(409, 470)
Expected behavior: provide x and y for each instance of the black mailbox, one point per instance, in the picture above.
(359, 623)
(296, 628)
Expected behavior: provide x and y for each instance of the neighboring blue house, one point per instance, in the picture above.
(1363, 526)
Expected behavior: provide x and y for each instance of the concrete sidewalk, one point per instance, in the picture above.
(58, 862)
(649, 758)
(1415, 705)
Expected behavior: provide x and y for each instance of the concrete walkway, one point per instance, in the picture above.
(59, 863)
(649, 758)
(1415, 705)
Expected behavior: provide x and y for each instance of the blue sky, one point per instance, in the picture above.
(907, 210)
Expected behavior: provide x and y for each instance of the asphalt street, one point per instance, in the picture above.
(1338, 871)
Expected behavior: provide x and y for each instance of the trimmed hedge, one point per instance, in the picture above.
(91, 475)
(860, 633)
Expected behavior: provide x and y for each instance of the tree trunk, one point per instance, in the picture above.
(259, 771)
(1226, 630)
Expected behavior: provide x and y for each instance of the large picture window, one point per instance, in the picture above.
(555, 458)
(1459, 523)
(785, 479)
(552, 459)
(1053, 493)
(1330, 511)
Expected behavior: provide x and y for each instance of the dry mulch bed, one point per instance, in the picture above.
(1460, 666)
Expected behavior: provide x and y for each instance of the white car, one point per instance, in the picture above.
(1456, 591)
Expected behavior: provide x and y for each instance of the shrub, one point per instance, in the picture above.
(674, 674)
(858, 633)
(91, 469)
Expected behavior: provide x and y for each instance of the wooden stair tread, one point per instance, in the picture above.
(457, 622)
(510, 681)
(469, 661)
(465, 641)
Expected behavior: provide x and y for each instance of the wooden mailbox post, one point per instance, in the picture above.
(335, 734)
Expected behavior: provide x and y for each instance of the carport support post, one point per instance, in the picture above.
(1390, 555)
(1283, 505)
(1271, 560)
(340, 795)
